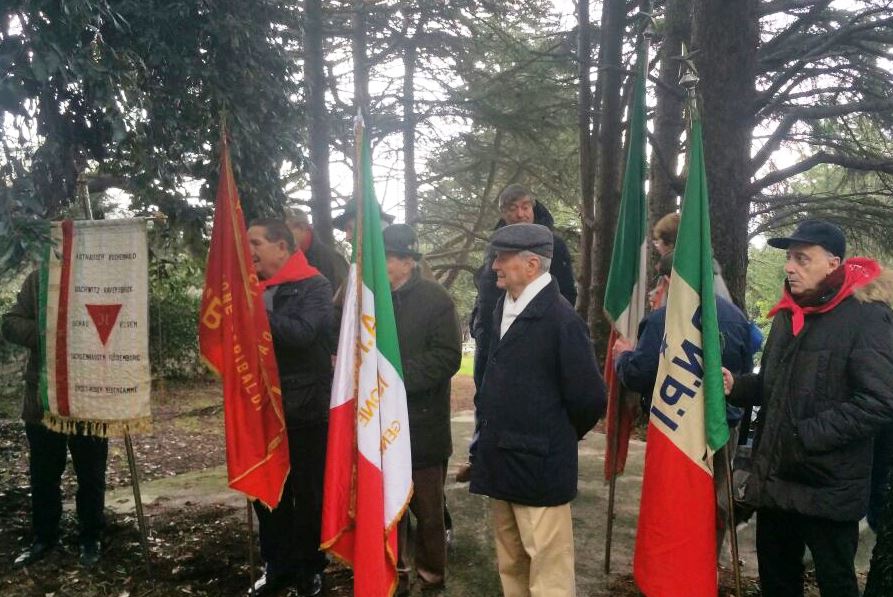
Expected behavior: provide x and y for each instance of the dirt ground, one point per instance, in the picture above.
(198, 537)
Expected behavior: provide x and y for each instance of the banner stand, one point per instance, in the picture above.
(138, 504)
(83, 192)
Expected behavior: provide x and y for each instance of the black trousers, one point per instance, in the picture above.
(48, 454)
(289, 534)
(781, 541)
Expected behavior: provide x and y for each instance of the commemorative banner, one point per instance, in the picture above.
(94, 321)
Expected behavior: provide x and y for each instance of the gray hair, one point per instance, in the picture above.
(545, 262)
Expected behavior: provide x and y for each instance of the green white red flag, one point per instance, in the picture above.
(627, 287)
(368, 479)
(235, 342)
(676, 538)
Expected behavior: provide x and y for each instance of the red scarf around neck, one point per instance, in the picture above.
(857, 272)
(294, 270)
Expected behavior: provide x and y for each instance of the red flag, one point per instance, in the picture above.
(620, 420)
(235, 340)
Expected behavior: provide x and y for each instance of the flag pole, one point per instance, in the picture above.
(249, 539)
(690, 82)
(84, 191)
(249, 518)
(358, 226)
(614, 423)
(615, 390)
(733, 531)
(138, 502)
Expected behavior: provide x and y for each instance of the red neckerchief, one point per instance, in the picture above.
(294, 270)
(858, 271)
(307, 240)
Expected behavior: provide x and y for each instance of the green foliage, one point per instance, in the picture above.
(765, 279)
(131, 92)
(175, 284)
(517, 98)
(12, 357)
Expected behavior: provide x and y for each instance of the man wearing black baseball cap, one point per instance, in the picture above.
(825, 389)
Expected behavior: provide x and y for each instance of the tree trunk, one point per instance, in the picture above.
(410, 182)
(727, 34)
(318, 124)
(587, 171)
(668, 112)
(609, 161)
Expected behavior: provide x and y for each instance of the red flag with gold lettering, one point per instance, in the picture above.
(235, 340)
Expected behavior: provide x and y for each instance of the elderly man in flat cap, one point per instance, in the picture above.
(825, 389)
(430, 352)
(541, 392)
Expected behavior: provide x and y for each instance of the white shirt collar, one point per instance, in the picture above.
(511, 308)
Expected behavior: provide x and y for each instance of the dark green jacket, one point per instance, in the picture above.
(328, 261)
(823, 396)
(20, 327)
(431, 352)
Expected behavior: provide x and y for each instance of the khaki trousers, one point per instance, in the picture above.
(534, 549)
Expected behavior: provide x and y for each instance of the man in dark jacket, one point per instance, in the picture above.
(331, 264)
(517, 206)
(47, 449)
(299, 306)
(825, 388)
(637, 366)
(541, 392)
(430, 352)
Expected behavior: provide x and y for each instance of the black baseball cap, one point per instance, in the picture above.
(814, 232)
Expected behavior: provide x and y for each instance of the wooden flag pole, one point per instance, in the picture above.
(614, 423)
(84, 192)
(138, 503)
(609, 534)
(733, 531)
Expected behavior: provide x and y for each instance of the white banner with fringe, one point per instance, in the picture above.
(94, 315)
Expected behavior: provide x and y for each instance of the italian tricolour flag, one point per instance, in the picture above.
(626, 291)
(676, 537)
(368, 479)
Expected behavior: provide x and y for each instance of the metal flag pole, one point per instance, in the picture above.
(250, 520)
(84, 192)
(690, 81)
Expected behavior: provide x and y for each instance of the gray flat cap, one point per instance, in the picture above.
(523, 237)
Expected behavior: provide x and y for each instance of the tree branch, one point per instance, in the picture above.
(848, 162)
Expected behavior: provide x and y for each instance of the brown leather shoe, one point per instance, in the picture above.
(463, 475)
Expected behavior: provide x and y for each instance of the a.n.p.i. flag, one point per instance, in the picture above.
(368, 479)
(235, 341)
(676, 536)
(626, 291)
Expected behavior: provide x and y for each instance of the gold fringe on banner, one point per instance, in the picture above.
(72, 426)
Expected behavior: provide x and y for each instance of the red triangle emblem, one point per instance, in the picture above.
(104, 317)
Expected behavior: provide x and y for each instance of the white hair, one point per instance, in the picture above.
(545, 262)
